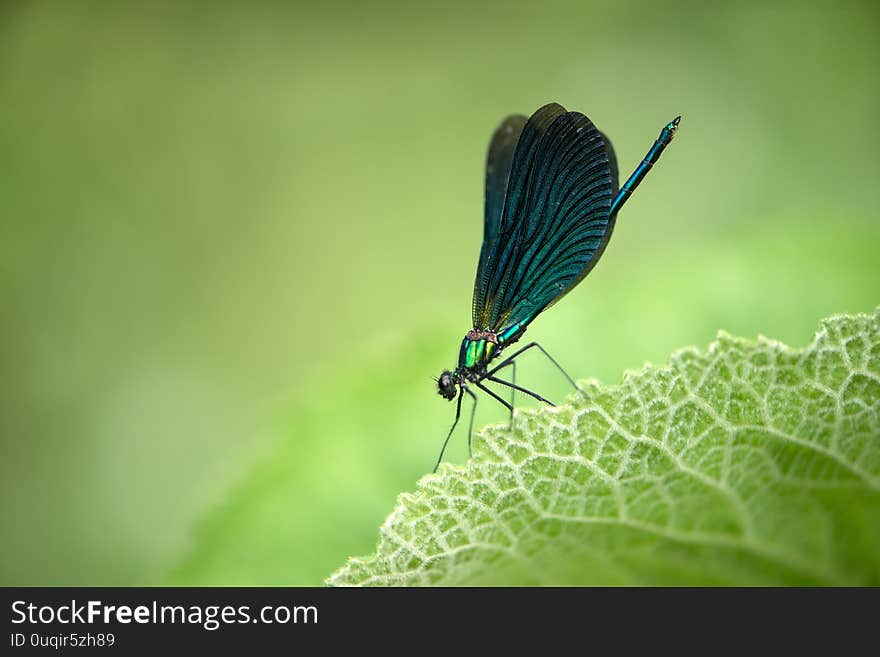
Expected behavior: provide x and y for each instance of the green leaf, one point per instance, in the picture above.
(749, 464)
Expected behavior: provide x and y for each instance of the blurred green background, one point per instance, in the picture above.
(238, 240)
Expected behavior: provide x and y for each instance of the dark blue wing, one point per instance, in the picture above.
(555, 220)
(498, 164)
(612, 163)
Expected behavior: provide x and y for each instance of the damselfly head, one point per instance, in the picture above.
(446, 385)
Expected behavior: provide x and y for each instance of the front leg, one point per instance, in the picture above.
(451, 429)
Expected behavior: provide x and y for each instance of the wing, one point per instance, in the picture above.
(555, 220)
(612, 162)
(498, 164)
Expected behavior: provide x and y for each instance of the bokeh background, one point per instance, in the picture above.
(238, 239)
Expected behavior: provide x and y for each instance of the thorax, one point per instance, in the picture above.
(477, 349)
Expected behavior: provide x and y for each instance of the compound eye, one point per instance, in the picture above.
(446, 385)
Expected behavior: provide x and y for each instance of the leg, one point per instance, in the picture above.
(509, 360)
(514, 387)
(500, 401)
(512, 364)
(471, 424)
(449, 435)
(492, 394)
(512, 392)
(641, 171)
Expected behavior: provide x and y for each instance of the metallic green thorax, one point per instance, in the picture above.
(480, 347)
(476, 352)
